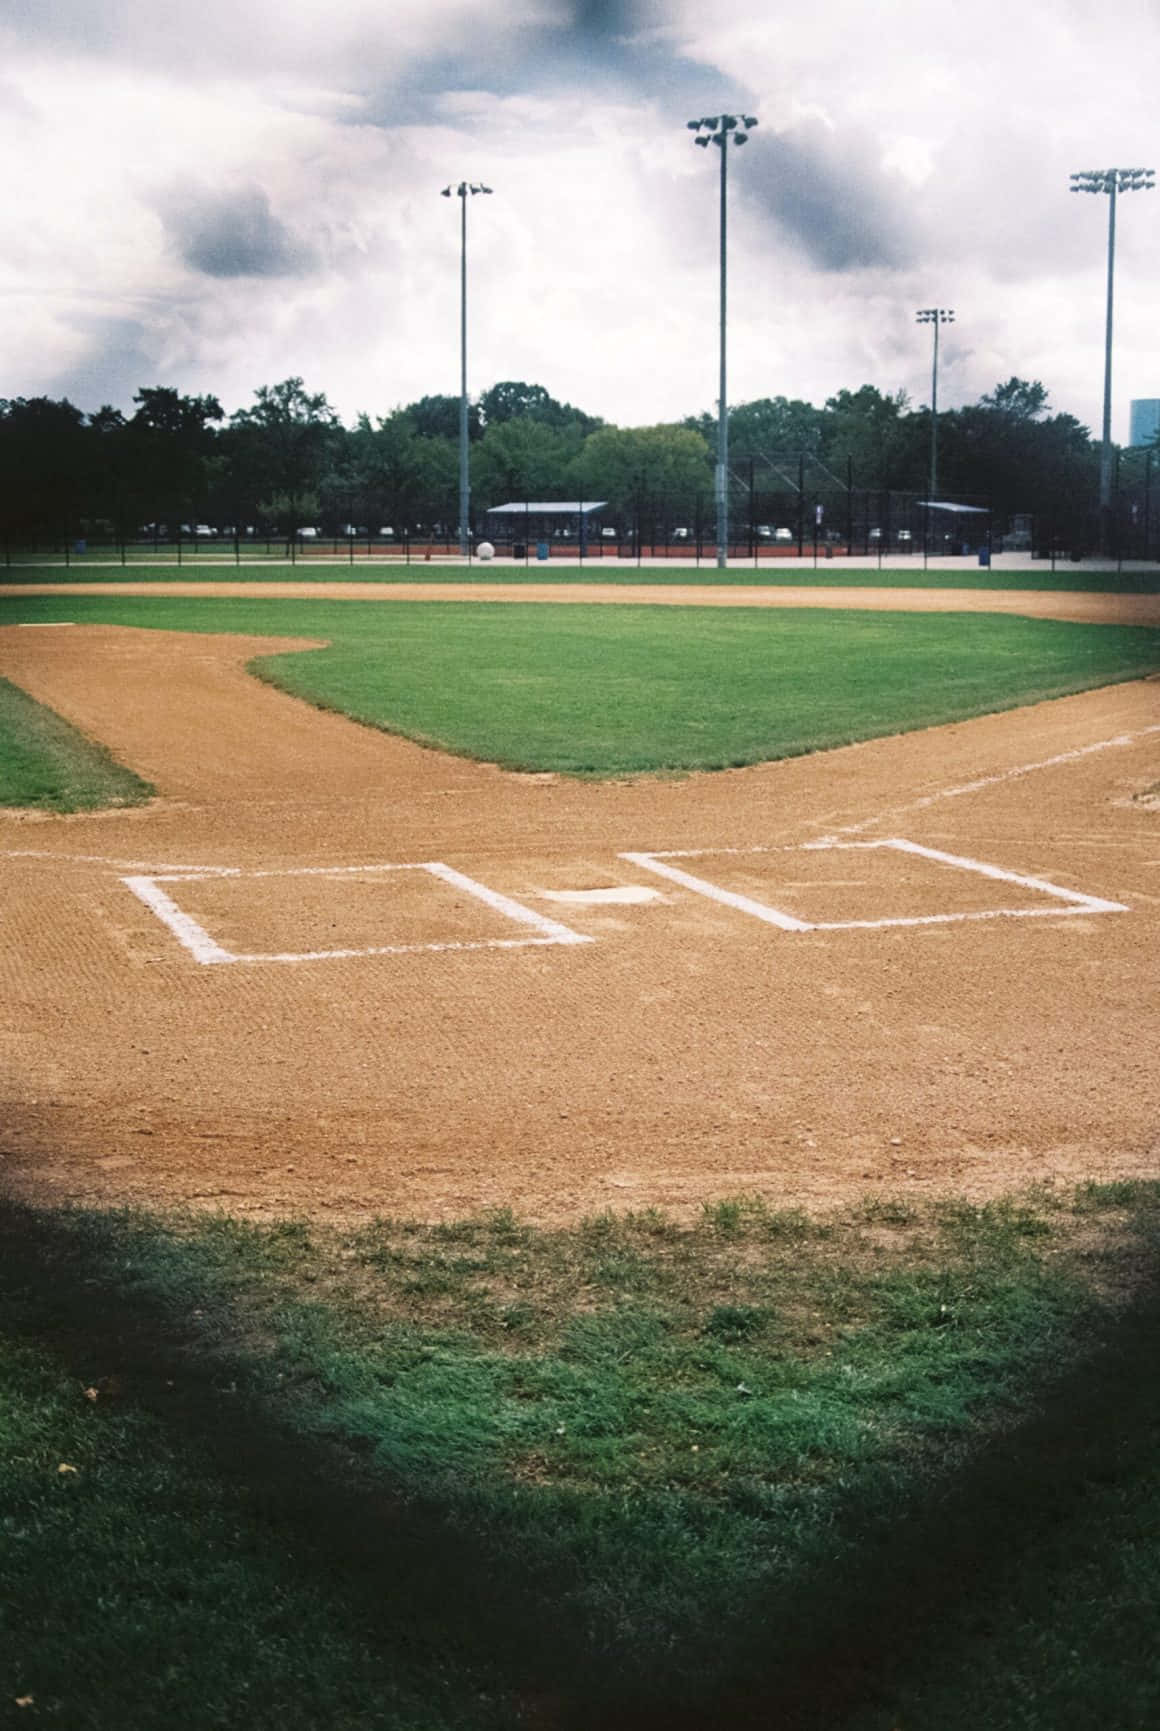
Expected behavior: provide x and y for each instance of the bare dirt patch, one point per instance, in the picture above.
(456, 1057)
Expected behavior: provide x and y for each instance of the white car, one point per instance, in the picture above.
(386, 533)
(308, 534)
(784, 535)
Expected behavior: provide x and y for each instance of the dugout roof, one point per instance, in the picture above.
(547, 508)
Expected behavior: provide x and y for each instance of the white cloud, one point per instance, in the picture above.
(217, 196)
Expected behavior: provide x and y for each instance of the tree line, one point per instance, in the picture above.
(287, 461)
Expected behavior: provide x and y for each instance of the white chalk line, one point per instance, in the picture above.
(701, 886)
(206, 950)
(185, 929)
(627, 895)
(985, 781)
(119, 865)
(1075, 900)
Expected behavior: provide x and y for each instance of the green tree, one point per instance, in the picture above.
(513, 400)
(872, 434)
(400, 476)
(1022, 399)
(282, 446)
(44, 465)
(523, 458)
(767, 427)
(169, 443)
(646, 472)
(438, 418)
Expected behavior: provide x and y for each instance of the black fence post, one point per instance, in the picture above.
(849, 505)
(1147, 505)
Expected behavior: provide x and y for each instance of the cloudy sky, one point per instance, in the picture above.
(217, 194)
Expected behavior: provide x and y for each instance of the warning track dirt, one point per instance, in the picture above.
(331, 970)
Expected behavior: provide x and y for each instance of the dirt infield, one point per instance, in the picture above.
(1085, 608)
(259, 993)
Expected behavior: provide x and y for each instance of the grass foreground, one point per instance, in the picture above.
(634, 689)
(895, 1467)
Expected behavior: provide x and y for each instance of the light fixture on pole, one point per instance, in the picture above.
(1112, 181)
(465, 190)
(935, 316)
(719, 129)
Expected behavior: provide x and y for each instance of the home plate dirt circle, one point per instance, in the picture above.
(328, 970)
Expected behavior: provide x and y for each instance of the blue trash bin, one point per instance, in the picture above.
(541, 549)
(80, 546)
(984, 555)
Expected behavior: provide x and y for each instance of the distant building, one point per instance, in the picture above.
(1145, 420)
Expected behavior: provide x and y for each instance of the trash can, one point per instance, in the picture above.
(541, 549)
(80, 546)
(519, 550)
(984, 555)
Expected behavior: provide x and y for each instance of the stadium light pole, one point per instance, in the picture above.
(719, 129)
(935, 316)
(465, 190)
(1112, 181)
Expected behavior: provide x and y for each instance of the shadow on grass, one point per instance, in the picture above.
(909, 1553)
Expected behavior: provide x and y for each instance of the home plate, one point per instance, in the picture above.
(615, 893)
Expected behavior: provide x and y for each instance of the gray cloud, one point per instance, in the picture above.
(606, 50)
(826, 191)
(121, 356)
(231, 233)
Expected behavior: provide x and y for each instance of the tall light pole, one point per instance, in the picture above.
(1112, 181)
(718, 129)
(463, 192)
(935, 316)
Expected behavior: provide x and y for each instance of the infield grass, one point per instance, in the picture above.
(892, 1467)
(631, 690)
(46, 763)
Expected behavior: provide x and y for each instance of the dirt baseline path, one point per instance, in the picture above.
(328, 970)
(1082, 607)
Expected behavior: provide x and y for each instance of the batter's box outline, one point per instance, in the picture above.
(1075, 901)
(205, 949)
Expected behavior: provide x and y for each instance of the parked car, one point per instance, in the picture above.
(204, 531)
(680, 534)
(608, 533)
(308, 534)
(783, 535)
(386, 533)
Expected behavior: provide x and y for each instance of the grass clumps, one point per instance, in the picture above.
(46, 764)
(754, 1469)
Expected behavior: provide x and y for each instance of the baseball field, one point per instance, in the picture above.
(651, 1108)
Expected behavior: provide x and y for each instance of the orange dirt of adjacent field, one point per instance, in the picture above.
(267, 1020)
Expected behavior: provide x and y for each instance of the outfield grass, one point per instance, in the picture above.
(46, 763)
(894, 1467)
(781, 573)
(601, 691)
